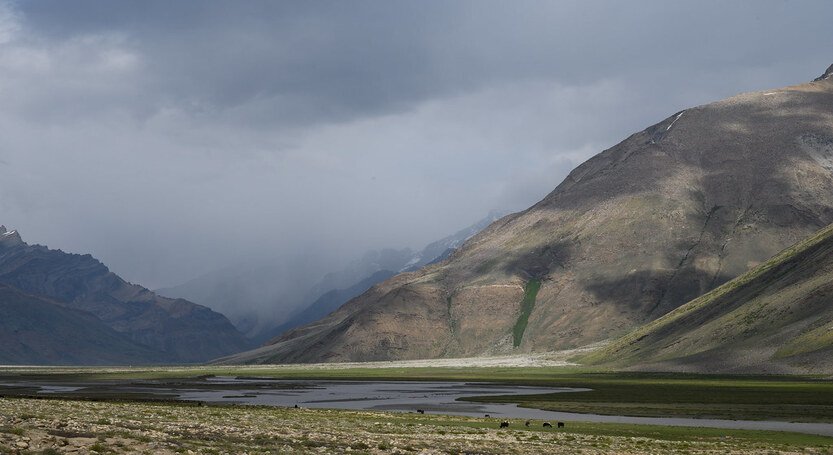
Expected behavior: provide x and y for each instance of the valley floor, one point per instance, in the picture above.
(100, 421)
(59, 426)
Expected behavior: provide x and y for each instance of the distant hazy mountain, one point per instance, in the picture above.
(441, 249)
(263, 301)
(663, 217)
(255, 297)
(776, 318)
(330, 302)
(373, 261)
(158, 329)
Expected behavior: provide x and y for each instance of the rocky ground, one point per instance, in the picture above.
(58, 426)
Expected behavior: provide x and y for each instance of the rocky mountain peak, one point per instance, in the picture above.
(9, 238)
(827, 74)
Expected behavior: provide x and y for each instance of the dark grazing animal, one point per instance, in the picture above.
(526, 423)
(547, 425)
(560, 424)
(504, 424)
(421, 411)
(487, 416)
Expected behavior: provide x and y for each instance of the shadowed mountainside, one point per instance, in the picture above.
(666, 215)
(36, 331)
(776, 318)
(175, 329)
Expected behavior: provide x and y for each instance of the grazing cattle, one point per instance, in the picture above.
(547, 425)
(560, 424)
(526, 423)
(421, 411)
(296, 406)
(504, 424)
(487, 416)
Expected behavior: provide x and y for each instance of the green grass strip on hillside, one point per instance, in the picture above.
(528, 303)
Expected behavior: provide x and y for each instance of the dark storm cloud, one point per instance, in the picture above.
(299, 62)
(274, 61)
(174, 138)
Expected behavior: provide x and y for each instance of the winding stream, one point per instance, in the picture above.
(401, 396)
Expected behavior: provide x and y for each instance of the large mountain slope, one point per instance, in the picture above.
(37, 331)
(176, 330)
(666, 215)
(776, 318)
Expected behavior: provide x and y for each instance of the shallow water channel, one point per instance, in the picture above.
(402, 396)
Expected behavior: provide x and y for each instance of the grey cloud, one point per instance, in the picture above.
(174, 138)
(278, 63)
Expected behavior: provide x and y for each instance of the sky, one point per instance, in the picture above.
(170, 139)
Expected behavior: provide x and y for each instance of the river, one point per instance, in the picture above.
(400, 396)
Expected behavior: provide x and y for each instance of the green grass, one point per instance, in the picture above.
(819, 338)
(452, 320)
(13, 430)
(669, 433)
(99, 448)
(663, 395)
(527, 304)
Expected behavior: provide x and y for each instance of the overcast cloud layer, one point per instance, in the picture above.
(169, 139)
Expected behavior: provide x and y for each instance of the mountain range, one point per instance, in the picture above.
(667, 215)
(703, 243)
(61, 308)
